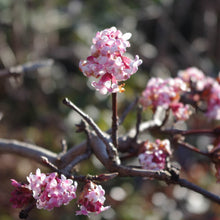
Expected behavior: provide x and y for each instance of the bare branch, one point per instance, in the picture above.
(103, 136)
(27, 150)
(114, 133)
(25, 68)
(205, 193)
(167, 177)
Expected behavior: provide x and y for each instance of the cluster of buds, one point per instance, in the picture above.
(153, 155)
(91, 199)
(50, 190)
(203, 89)
(107, 62)
(166, 93)
(191, 83)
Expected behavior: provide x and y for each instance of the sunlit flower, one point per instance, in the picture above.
(212, 97)
(91, 199)
(153, 156)
(50, 190)
(107, 62)
(166, 93)
(193, 77)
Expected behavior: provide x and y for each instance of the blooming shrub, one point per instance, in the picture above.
(108, 64)
(191, 86)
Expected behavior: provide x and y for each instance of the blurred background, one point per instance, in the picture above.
(168, 35)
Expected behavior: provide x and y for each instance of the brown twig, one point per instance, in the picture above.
(24, 68)
(195, 188)
(114, 120)
(211, 132)
(27, 150)
(192, 148)
(112, 151)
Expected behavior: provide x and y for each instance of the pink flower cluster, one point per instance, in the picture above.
(107, 62)
(206, 88)
(91, 199)
(21, 195)
(166, 93)
(193, 77)
(50, 190)
(191, 83)
(153, 155)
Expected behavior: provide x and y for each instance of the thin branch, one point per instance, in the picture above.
(27, 150)
(114, 120)
(96, 178)
(77, 160)
(25, 68)
(192, 148)
(205, 193)
(109, 146)
(167, 177)
(211, 132)
(49, 164)
(156, 122)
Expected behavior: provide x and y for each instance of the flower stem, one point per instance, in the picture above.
(114, 120)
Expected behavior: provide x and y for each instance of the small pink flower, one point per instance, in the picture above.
(50, 190)
(212, 97)
(166, 93)
(180, 111)
(91, 199)
(193, 77)
(21, 196)
(153, 155)
(107, 62)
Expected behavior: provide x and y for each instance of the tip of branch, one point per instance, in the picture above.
(65, 101)
(44, 160)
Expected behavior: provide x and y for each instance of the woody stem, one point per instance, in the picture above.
(114, 120)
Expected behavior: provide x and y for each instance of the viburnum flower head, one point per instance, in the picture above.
(166, 93)
(153, 155)
(50, 190)
(205, 89)
(107, 62)
(193, 77)
(91, 199)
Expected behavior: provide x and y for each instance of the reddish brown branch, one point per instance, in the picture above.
(112, 151)
(192, 148)
(114, 120)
